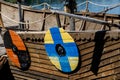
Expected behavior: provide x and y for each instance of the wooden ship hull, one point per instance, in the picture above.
(98, 45)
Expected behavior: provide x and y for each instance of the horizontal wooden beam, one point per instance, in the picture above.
(86, 18)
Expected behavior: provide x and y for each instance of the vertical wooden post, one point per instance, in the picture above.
(72, 24)
(69, 7)
(64, 22)
(87, 10)
(105, 18)
(58, 20)
(1, 21)
(43, 25)
(20, 14)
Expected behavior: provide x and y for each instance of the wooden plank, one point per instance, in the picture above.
(104, 71)
(45, 66)
(111, 48)
(36, 75)
(86, 50)
(35, 46)
(118, 76)
(113, 77)
(103, 67)
(39, 55)
(110, 57)
(37, 51)
(58, 20)
(110, 54)
(22, 77)
(110, 43)
(84, 18)
(27, 76)
(87, 59)
(41, 61)
(48, 71)
(106, 75)
(43, 24)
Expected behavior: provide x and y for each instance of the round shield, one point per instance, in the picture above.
(16, 50)
(61, 49)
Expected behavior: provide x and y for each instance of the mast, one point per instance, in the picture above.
(87, 10)
(20, 14)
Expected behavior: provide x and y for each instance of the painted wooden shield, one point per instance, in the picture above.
(61, 49)
(16, 50)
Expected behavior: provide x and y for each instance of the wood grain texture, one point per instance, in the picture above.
(108, 58)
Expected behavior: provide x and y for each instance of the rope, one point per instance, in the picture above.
(51, 13)
(41, 5)
(114, 6)
(99, 4)
(45, 4)
(26, 22)
(56, 8)
(96, 4)
(81, 4)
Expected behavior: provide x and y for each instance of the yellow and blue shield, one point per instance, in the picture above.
(61, 49)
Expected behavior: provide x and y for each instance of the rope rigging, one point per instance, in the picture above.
(51, 8)
(112, 7)
(45, 5)
(32, 22)
(80, 4)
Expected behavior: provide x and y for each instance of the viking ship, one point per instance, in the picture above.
(97, 39)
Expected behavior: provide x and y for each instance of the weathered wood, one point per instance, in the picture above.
(1, 21)
(58, 20)
(35, 74)
(72, 24)
(85, 18)
(93, 45)
(36, 15)
(43, 25)
(109, 61)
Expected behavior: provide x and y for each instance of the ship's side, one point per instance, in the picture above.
(99, 57)
(98, 46)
